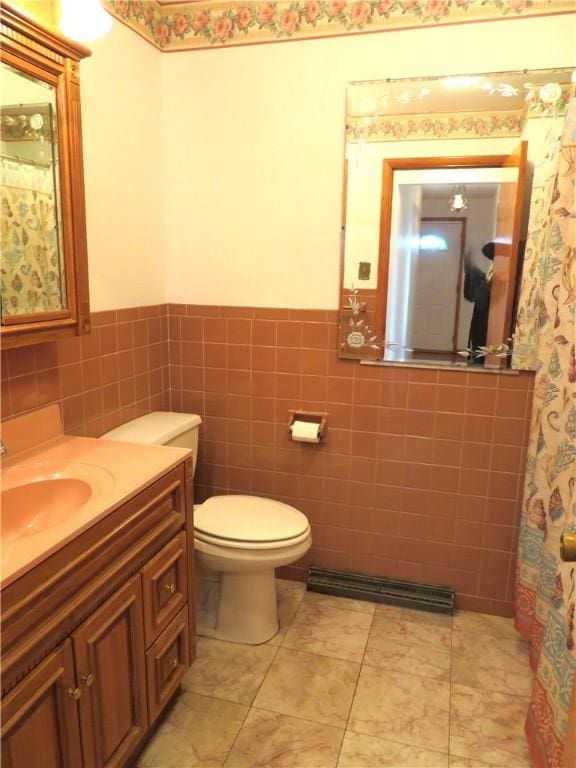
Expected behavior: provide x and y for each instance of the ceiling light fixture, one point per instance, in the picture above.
(84, 20)
(458, 200)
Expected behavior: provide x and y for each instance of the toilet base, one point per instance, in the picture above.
(247, 610)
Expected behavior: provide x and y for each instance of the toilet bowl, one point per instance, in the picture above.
(239, 541)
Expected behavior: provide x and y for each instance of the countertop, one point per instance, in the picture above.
(116, 472)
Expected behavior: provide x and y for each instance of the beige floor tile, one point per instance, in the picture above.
(406, 708)
(197, 732)
(309, 686)
(443, 620)
(488, 726)
(389, 628)
(228, 670)
(286, 587)
(360, 751)
(336, 632)
(484, 624)
(492, 663)
(344, 603)
(290, 594)
(411, 659)
(466, 762)
(271, 740)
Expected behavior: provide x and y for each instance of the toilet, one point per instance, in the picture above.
(239, 541)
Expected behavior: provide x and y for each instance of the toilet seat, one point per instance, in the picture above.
(218, 541)
(249, 522)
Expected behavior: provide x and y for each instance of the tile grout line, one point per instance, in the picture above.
(450, 689)
(251, 705)
(355, 688)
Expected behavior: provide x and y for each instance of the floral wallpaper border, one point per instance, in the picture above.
(186, 26)
(447, 126)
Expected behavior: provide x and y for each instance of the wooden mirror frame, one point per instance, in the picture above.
(503, 296)
(45, 55)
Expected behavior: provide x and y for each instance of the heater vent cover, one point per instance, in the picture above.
(408, 594)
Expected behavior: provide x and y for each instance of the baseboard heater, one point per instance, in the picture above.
(408, 594)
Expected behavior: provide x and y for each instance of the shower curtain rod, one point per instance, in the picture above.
(18, 159)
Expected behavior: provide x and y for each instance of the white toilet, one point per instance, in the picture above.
(239, 541)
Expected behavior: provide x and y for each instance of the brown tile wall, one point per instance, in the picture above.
(117, 372)
(420, 475)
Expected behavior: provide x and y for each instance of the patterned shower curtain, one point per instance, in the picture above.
(29, 239)
(546, 587)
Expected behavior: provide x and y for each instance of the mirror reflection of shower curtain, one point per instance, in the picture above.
(29, 242)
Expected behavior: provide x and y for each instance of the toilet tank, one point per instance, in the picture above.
(161, 428)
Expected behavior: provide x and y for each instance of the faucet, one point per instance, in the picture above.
(3, 449)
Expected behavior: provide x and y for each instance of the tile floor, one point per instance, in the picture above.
(350, 684)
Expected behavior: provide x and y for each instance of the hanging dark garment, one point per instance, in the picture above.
(477, 290)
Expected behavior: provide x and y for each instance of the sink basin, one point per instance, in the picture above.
(31, 507)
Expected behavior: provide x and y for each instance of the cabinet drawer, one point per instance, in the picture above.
(165, 586)
(167, 661)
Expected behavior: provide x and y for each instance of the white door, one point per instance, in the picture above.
(434, 289)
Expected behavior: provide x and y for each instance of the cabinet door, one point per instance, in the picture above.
(165, 586)
(40, 716)
(110, 664)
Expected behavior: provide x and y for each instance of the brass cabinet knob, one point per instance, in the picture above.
(170, 588)
(568, 546)
(74, 693)
(88, 679)
(173, 661)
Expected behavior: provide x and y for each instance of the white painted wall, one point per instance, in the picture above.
(121, 104)
(253, 148)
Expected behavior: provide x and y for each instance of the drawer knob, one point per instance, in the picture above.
(88, 680)
(173, 661)
(74, 693)
(171, 588)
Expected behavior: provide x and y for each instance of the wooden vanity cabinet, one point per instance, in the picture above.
(97, 638)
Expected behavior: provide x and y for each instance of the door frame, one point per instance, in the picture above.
(517, 159)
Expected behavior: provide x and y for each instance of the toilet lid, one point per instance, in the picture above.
(249, 518)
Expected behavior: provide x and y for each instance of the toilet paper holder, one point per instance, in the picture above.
(315, 417)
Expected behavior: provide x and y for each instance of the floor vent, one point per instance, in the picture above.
(408, 594)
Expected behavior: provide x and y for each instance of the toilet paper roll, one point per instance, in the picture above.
(306, 431)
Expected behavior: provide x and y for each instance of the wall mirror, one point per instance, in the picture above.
(437, 191)
(44, 289)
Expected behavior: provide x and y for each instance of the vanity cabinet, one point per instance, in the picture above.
(97, 638)
(44, 287)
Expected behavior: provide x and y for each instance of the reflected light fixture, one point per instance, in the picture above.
(84, 20)
(458, 200)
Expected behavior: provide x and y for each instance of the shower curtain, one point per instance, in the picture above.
(28, 239)
(545, 598)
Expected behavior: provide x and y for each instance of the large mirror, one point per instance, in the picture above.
(33, 279)
(439, 174)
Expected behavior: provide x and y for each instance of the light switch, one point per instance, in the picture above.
(364, 268)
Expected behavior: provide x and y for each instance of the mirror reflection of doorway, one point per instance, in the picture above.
(436, 283)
